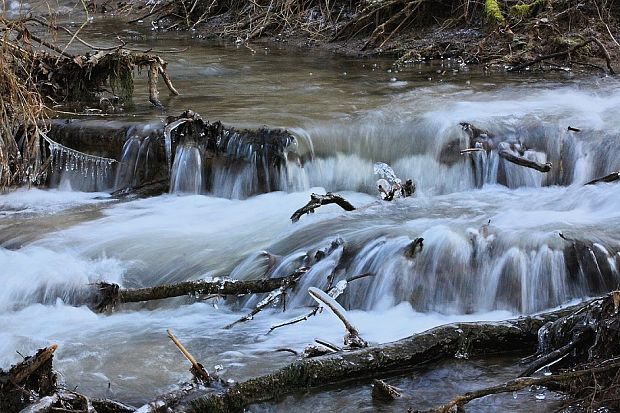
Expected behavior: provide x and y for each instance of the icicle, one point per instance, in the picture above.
(53, 155)
(60, 158)
(75, 160)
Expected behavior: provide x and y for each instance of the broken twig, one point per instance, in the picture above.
(317, 200)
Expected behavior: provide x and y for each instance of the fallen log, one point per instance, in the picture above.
(110, 295)
(317, 200)
(612, 177)
(441, 342)
(518, 160)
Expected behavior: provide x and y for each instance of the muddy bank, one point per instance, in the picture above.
(511, 35)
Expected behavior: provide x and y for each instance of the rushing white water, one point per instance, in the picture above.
(55, 243)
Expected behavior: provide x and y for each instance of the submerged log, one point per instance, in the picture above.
(317, 200)
(518, 160)
(441, 342)
(111, 295)
(612, 177)
(383, 391)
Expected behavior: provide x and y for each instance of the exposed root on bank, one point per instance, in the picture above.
(36, 74)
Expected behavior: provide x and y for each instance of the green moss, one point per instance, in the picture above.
(121, 78)
(527, 10)
(493, 12)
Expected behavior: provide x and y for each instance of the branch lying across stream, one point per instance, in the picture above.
(111, 294)
(518, 160)
(612, 177)
(317, 200)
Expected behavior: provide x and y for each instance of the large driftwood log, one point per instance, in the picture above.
(111, 294)
(518, 160)
(612, 177)
(317, 200)
(441, 342)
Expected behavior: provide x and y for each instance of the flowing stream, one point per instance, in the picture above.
(345, 115)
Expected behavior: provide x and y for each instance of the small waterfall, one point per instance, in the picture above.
(425, 146)
(466, 265)
(187, 171)
(223, 161)
(141, 160)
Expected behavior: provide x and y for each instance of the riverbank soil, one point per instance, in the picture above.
(513, 35)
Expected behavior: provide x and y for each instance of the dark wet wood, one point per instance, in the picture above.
(111, 294)
(518, 160)
(612, 177)
(317, 200)
(406, 354)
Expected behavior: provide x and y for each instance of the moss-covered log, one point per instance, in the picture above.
(442, 342)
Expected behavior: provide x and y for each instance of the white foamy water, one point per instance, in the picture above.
(56, 243)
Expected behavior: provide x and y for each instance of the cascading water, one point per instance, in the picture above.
(466, 268)
(187, 171)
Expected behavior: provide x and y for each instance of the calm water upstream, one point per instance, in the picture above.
(346, 115)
